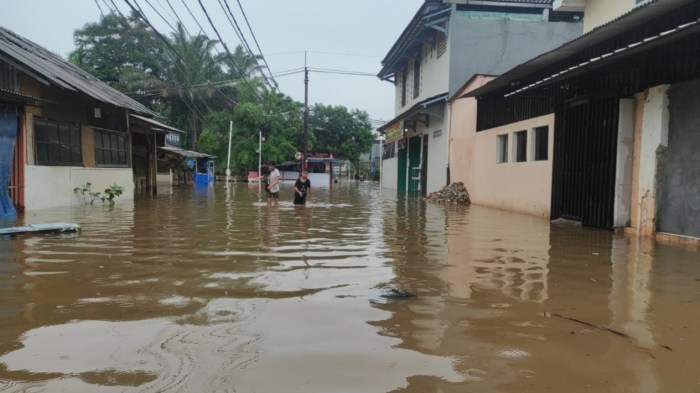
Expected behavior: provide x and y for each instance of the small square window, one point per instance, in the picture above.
(502, 148)
(520, 146)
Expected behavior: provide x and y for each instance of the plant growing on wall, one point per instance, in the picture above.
(107, 196)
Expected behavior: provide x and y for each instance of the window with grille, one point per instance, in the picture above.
(111, 148)
(57, 143)
(441, 44)
(403, 89)
(416, 78)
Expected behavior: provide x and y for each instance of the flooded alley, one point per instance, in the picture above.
(212, 291)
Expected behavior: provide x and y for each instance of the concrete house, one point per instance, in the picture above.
(626, 113)
(445, 43)
(60, 128)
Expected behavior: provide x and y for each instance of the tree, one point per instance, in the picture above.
(115, 45)
(347, 134)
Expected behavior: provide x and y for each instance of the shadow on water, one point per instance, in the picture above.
(211, 290)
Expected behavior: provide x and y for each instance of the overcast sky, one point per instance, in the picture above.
(345, 35)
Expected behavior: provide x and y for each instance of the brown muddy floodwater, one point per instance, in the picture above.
(208, 291)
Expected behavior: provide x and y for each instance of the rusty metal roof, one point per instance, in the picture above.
(50, 68)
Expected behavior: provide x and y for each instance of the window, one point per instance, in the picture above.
(520, 146)
(541, 144)
(9, 79)
(388, 150)
(441, 44)
(416, 78)
(57, 143)
(111, 148)
(403, 89)
(502, 148)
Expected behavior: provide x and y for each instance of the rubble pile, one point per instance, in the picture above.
(452, 194)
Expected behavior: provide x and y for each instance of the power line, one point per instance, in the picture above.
(237, 29)
(256, 41)
(243, 77)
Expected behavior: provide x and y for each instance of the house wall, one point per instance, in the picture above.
(52, 186)
(679, 166)
(438, 160)
(517, 186)
(494, 46)
(599, 12)
(654, 139)
(434, 78)
(389, 173)
(462, 115)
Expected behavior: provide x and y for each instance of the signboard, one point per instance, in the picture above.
(191, 162)
(394, 131)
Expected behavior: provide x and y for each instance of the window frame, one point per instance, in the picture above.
(111, 137)
(520, 146)
(502, 149)
(416, 78)
(51, 142)
(539, 146)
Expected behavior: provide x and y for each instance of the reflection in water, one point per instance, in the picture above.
(211, 290)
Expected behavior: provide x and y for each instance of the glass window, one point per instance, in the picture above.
(57, 143)
(110, 148)
(541, 144)
(502, 148)
(520, 146)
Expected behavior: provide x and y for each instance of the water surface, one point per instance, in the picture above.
(211, 290)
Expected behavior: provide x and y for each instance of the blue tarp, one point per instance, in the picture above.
(8, 136)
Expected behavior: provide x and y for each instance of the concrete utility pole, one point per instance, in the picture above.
(306, 115)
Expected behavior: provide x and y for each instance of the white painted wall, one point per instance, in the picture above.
(434, 78)
(438, 157)
(625, 162)
(389, 173)
(599, 12)
(52, 186)
(654, 137)
(517, 186)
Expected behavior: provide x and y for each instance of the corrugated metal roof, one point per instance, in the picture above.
(158, 126)
(185, 153)
(62, 73)
(634, 18)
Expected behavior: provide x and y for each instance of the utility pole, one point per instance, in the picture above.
(306, 115)
(228, 161)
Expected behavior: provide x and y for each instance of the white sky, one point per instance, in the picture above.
(352, 35)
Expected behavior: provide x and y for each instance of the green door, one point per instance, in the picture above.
(414, 154)
(401, 173)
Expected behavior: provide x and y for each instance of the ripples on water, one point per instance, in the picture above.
(211, 290)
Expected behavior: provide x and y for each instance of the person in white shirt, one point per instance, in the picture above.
(273, 186)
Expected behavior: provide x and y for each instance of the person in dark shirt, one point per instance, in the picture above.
(302, 187)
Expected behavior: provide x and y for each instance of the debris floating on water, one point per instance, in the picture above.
(451, 194)
(395, 293)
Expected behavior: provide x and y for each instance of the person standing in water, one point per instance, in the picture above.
(302, 187)
(273, 186)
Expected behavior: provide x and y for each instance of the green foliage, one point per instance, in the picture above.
(200, 92)
(347, 134)
(107, 196)
(115, 46)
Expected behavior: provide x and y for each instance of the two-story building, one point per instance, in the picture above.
(445, 43)
(625, 110)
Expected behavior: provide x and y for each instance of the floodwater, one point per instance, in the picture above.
(211, 291)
